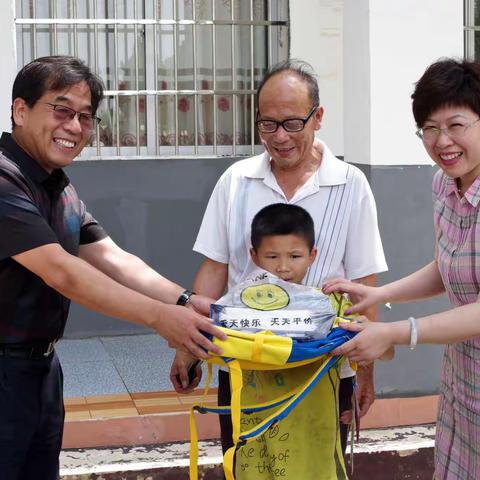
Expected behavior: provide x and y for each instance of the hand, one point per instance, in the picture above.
(200, 304)
(182, 328)
(361, 295)
(365, 393)
(179, 373)
(365, 388)
(373, 339)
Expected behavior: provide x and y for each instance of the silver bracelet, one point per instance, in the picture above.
(413, 332)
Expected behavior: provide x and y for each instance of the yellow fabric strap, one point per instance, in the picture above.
(193, 429)
(193, 446)
(240, 345)
(228, 463)
(208, 381)
(257, 348)
(236, 383)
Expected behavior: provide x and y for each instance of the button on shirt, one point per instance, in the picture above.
(36, 208)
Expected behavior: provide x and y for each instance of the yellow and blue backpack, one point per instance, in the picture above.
(284, 398)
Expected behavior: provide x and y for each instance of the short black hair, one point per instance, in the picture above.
(302, 70)
(282, 219)
(54, 73)
(448, 82)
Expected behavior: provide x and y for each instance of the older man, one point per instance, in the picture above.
(52, 250)
(297, 169)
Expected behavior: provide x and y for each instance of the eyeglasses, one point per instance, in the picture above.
(62, 113)
(289, 125)
(456, 130)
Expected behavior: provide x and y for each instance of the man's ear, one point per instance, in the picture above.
(19, 108)
(313, 255)
(318, 117)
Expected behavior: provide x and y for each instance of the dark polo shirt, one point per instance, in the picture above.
(36, 208)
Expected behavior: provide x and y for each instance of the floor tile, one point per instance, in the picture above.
(81, 350)
(91, 378)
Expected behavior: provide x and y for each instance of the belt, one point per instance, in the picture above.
(37, 351)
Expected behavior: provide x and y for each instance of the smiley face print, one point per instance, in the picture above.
(265, 297)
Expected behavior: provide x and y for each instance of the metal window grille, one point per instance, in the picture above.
(180, 75)
(472, 29)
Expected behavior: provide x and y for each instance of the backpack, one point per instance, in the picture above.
(261, 356)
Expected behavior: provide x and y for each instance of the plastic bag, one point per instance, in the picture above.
(265, 302)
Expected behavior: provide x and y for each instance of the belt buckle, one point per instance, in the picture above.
(50, 348)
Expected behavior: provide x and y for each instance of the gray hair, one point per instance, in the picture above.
(301, 69)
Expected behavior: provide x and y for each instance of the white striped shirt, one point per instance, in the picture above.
(337, 196)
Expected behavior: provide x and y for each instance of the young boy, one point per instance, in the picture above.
(283, 239)
(306, 444)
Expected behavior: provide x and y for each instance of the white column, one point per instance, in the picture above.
(316, 36)
(387, 46)
(9, 62)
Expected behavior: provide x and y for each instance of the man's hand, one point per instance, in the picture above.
(365, 393)
(183, 329)
(179, 373)
(361, 295)
(365, 388)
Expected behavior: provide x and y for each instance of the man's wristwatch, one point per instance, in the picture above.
(184, 298)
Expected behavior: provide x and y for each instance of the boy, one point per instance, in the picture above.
(283, 239)
(306, 444)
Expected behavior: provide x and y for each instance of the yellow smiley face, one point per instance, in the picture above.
(265, 297)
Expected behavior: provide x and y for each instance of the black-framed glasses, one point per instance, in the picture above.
(289, 125)
(456, 130)
(87, 121)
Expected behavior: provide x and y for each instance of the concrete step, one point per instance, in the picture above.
(383, 454)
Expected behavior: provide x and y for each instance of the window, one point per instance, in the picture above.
(180, 75)
(472, 29)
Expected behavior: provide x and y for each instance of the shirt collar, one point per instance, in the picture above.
(332, 171)
(473, 193)
(54, 182)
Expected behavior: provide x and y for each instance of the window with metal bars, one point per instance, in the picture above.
(472, 29)
(180, 75)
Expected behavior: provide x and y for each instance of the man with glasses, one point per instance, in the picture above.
(53, 251)
(295, 168)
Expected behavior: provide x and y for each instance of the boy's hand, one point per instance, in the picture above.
(179, 372)
(201, 304)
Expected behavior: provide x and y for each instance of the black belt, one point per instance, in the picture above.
(37, 351)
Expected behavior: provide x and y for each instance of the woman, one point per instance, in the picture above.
(446, 107)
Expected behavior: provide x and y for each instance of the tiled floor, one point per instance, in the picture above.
(131, 404)
(120, 376)
(114, 365)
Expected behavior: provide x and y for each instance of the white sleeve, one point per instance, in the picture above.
(212, 238)
(364, 252)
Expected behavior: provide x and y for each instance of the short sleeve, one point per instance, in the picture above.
(212, 238)
(90, 230)
(364, 251)
(22, 226)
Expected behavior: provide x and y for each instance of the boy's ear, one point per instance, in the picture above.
(253, 254)
(313, 255)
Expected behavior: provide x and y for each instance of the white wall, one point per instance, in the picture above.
(316, 36)
(8, 70)
(387, 47)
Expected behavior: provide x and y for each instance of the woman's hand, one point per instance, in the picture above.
(373, 340)
(361, 295)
